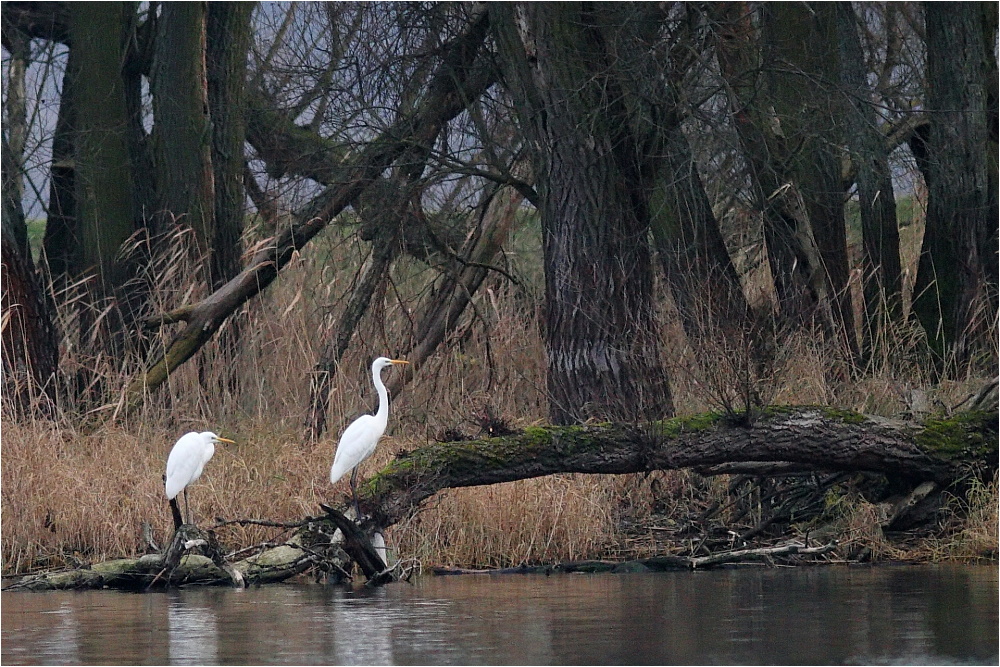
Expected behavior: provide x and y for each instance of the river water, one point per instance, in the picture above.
(821, 615)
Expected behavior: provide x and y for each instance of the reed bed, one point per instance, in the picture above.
(81, 486)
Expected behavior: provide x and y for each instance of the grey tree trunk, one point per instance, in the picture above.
(228, 44)
(15, 132)
(791, 254)
(182, 134)
(802, 67)
(955, 295)
(600, 333)
(883, 282)
(103, 178)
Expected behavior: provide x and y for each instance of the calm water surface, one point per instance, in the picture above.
(831, 615)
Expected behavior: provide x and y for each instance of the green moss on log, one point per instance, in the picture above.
(677, 426)
(844, 416)
(960, 436)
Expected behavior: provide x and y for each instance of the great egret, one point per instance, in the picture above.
(184, 466)
(359, 440)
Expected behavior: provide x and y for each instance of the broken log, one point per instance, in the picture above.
(358, 545)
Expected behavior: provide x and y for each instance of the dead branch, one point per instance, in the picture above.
(763, 552)
(458, 81)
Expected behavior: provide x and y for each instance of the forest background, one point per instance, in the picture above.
(216, 214)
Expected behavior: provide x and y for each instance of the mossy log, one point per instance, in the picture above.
(941, 450)
(193, 559)
(935, 453)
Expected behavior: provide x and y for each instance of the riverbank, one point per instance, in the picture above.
(72, 497)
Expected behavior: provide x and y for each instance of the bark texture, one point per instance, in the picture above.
(182, 136)
(591, 151)
(958, 269)
(944, 451)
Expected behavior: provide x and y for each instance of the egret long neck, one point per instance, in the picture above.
(383, 396)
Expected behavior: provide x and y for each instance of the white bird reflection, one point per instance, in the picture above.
(64, 639)
(194, 635)
(362, 633)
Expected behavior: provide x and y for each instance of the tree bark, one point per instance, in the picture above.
(15, 134)
(30, 338)
(703, 281)
(803, 67)
(593, 168)
(228, 42)
(945, 451)
(103, 179)
(882, 279)
(183, 133)
(958, 271)
(61, 244)
(796, 270)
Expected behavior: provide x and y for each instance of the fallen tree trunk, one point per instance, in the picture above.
(935, 453)
(941, 450)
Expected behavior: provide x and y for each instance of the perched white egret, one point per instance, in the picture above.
(359, 440)
(185, 464)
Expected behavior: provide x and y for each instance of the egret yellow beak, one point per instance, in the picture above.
(398, 361)
(231, 442)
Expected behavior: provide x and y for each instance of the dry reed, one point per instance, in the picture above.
(80, 489)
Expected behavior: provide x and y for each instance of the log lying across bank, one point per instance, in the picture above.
(939, 452)
(942, 450)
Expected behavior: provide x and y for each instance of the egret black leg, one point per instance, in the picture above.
(354, 494)
(187, 508)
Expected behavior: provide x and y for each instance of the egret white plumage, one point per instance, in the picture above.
(184, 466)
(359, 439)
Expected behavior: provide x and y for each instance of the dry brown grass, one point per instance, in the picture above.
(975, 524)
(82, 487)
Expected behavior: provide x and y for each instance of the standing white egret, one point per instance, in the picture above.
(359, 440)
(184, 466)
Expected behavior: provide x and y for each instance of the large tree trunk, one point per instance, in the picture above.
(804, 60)
(600, 333)
(15, 133)
(227, 47)
(796, 270)
(703, 281)
(61, 244)
(103, 179)
(958, 272)
(183, 133)
(30, 339)
(945, 451)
